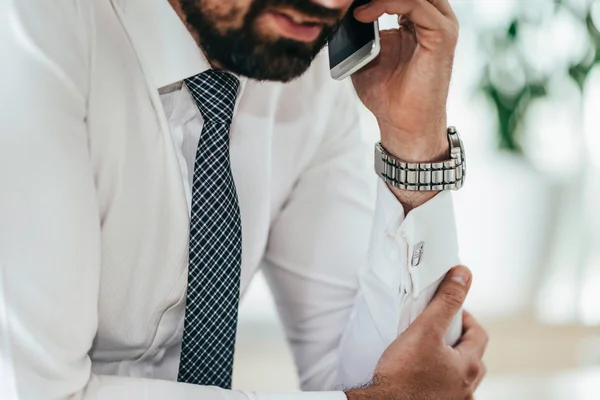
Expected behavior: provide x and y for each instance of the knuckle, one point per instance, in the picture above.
(466, 386)
(453, 297)
(414, 4)
(439, 39)
(473, 371)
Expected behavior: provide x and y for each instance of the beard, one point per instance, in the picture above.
(245, 51)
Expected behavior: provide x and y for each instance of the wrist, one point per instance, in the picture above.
(412, 148)
(358, 394)
(369, 393)
(376, 390)
(425, 147)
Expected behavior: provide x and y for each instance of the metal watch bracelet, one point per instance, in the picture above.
(445, 175)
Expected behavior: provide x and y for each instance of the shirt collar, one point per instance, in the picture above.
(167, 50)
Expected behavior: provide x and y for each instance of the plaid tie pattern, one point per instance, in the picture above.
(215, 241)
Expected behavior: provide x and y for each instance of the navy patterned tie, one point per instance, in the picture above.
(215, 241)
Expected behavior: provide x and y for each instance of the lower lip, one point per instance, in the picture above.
(295, 31)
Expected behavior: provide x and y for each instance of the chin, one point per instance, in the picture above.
(272, 72)
(257, 51)
(282, 61)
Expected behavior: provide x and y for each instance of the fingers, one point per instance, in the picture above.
(471, 348)
(446, 303)
(479, 372)
(405, 23)
(480, 376)
(474, 340)
(421, 12)
(445, 8)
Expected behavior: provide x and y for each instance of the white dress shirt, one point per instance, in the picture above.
(97, 147)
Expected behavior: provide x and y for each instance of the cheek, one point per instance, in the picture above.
(226, 14)
(264, 26)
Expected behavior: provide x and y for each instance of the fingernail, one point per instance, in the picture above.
(361, 8)
(460, 277)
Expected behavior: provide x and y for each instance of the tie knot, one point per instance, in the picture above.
(215, 93)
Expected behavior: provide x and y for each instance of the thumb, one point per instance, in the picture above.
(446, 303)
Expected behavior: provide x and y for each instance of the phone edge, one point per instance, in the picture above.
(375, 49)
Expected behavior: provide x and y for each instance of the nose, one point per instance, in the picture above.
(334, 4)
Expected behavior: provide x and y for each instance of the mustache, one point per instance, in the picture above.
(328, 15)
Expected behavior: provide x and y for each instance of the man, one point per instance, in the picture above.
(155, 153)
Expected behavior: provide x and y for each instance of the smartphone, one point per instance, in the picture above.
(354, 45)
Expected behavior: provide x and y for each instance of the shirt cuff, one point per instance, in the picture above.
(428, 235)
(430, 232)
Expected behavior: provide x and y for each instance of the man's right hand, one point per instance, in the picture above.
(418, 364)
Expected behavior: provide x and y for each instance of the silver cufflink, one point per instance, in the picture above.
(417, 254)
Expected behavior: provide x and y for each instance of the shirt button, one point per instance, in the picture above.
(417, 254)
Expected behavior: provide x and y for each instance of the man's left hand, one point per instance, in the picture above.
(406, 87)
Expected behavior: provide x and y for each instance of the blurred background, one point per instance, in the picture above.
(526, 98)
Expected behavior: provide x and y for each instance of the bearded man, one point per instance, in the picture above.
(155, 154)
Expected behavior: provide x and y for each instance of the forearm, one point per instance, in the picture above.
(367, 393)
(373, 392)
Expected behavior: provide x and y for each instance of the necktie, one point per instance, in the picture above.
(215, 252)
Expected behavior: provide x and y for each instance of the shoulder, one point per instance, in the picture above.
(51, 36)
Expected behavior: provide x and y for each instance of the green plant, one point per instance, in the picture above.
(512, 82)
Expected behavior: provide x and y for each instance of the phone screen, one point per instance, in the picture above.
(351, 36)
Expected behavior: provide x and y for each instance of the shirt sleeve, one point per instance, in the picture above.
(50, 228)
(339, 259)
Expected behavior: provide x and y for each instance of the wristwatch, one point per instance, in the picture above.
(445, 175)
